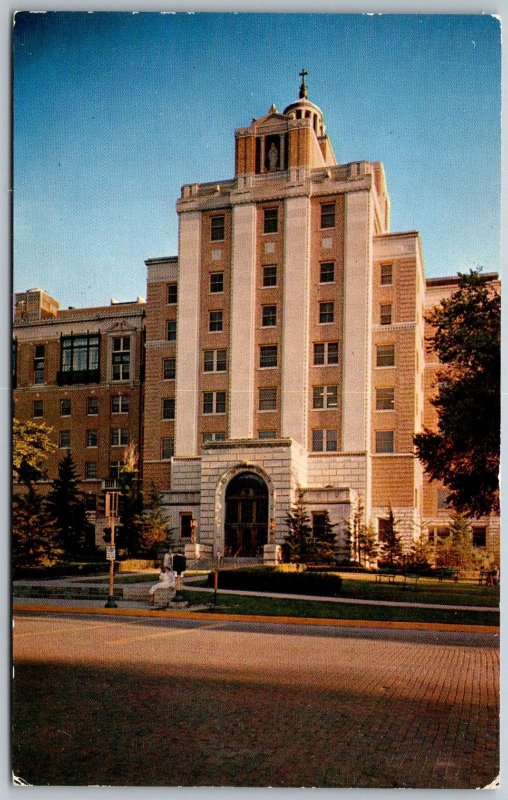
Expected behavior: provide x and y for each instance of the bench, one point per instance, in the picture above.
(390, 573)
(410, 578)
(448, 574)
(163, 596)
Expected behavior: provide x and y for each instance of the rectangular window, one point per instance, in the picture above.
(384, 442)
(385, 355)
(269, 316)
(39, 358)
(115, 467)
(216, 282)
(64, 439)
(267, 434)
(171, 330)
(324, 440)
(328, 215)
(268, 399)
(38, 408)
(385, 399)
(386, 274)
(213, 436)
(185, 525)
(169, 367)
(92, 405)
(90, 469)
(214, 402)
(324, 397)
(270, 222)
(172, 293)
(168, 408)
(479, 536)
(327, 272)
(385, 314)
(270, 276)
(215, 360)
(121, 359)
(326, 312)
(216, 322)
(167, 448)
(120, 403)
(442, 496)
(217, 228)
(268, 355)
(326, 353)
(79, 359)
(92, 438)
(65, 407)
(119, 437)
(318, 523)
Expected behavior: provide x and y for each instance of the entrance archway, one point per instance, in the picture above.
(246, 525)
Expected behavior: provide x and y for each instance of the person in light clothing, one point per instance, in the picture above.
(167, 580)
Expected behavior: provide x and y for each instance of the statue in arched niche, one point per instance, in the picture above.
(273, 158)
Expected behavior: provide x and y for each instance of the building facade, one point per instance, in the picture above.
(284, 351)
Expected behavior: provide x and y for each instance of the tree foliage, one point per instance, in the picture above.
(33, 531)
(391, 547)
(324, 543)
(464, 451)
(360, 540)
(31, 445)
(154, 524)
(457, 549)
(129, 532)
(66, 503)
(298, 540)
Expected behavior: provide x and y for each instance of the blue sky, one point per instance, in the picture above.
(113, 112)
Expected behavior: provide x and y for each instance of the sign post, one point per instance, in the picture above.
(111, 509)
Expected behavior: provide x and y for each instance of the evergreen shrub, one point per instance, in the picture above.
(272, 579)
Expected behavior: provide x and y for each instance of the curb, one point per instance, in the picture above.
(314, 621)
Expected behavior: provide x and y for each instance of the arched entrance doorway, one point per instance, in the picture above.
(246, 528)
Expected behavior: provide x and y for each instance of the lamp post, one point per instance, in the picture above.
(111, 509)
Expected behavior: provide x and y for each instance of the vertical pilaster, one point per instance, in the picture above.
(187, 348)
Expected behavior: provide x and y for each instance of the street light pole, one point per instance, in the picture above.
(111, 513)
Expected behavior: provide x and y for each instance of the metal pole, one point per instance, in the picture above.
(111, 598)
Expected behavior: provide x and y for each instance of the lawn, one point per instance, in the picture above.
(274, 606)
(429, 590)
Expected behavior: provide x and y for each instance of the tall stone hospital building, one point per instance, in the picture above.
(283, 349)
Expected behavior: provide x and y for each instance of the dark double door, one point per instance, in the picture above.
(246, 529)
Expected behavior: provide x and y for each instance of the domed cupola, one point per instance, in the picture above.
(304, 109)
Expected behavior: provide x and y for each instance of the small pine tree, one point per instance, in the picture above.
(33, 531)
(66, 503)
(367, 544)
(421, 554)
(325, 544)
(391, 547)
(457, 549)
(298, 540)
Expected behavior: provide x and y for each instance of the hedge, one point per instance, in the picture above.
(266, 579)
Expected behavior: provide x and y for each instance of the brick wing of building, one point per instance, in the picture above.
(285, 350)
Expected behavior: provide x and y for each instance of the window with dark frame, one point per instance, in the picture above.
(79, 359)
(217, 228)
(213, 436)
(268, 399)
(328, 215)
(214, 402)
(386, 278)
(327, 272)
(64, 439)
(324, 397)
(326, 312)
(121, 358)
(270, 275)
(268, 355)
(92, 438)
(324, 441)
(92, 405)
(318, 523)
(385, 314)
(215, 322)
(214, 360)
(65, 407)
(271, 220)
(384, 441)
(169, 369)
(167, 447)
(168, 408)
(216, 282)
(185, 525)
(120, 403)
(479, 536)
(171, 330)
(119, 437)
(385, 399)
(385, 355)
(90, 469)
(269, 316)
(326, 353)
(267, 434)
(38, 408)
(172, 296)
(39, 360)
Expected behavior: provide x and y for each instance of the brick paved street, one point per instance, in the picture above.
(171, 702)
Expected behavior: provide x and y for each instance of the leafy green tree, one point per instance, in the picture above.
(298, 540)
(464, 451)
(155, 531)
(130, 530)
(391, 547)
(66, 503)
(31, 446)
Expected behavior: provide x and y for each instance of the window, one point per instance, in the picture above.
(435, 533)
(167, 448)
(64, 439)
(115, 468)
(326, 353)
(90, 469)
(442, 496)
(327, 272)
(119, 437)
(385, 355)
(326, 312)
(172, 293)
(213, 436)
(185, 525)
(268, 355)
(215, 360)
(214, 402)
(385, 399)
(479, 536)
(92, 438)
(65, 407)
(270, 276)
(168, 408)
(171, 330)
(328, 215)
(324, 397)
(169, 368)
(120, 404)
(384, 442)
(383, 529)
(267, 434)
(318, 523)
(325, 440)
(92, 405)
(217, 228)
(217, 282)
(268, 399)
(79, 359)
(386, 274)
(215, 324)
(39, 357)
(270, 222)
(121, 358)
(385, 314)
(269, 316)
(38, 408)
